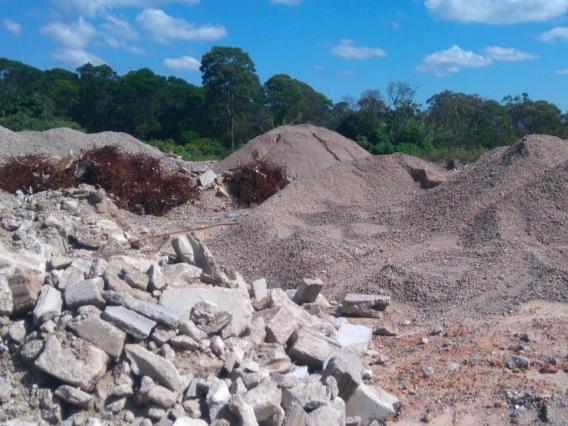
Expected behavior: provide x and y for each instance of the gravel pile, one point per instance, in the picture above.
(492, 235)
(304, 150)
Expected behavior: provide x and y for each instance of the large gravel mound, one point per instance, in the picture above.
(59, 142)
(493, 235)
(303, 150)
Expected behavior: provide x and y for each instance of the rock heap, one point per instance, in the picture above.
(96, 331)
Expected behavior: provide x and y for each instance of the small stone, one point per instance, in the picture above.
(100, 333)
(548, 369)
(424, 341)
(217, 345)
(528, 337)
(452, 367)
(5, 390)
(17, 332)
(31, 350)
(207, 179)
(385, 331)
(184, 343)
(146, 363)
(518, 362)
(427, 371)
(6, 302)
(209, 318)
(162, 334)
(436, 331)
(162, 396)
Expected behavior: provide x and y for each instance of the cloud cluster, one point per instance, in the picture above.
(11, 26)
(164, 28)
(347, 49)
(452, 60)
(183, 64)
(555, 34)
(97, 7)
(497, 11)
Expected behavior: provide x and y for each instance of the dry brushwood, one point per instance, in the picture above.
(134, 181)
(255, 182)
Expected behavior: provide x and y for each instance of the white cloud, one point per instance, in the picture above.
(562, 71)
(76, 57)
(287, 2)
(95, 7)
(455, 58)
(74, 35)
(163, 27)
(119, 28)
(450, 61)
(555, 34)
(185, 63)
(347, 50)
(497, 11)
(505, 54)
(11, 26)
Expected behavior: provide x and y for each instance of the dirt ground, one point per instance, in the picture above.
(460, 376)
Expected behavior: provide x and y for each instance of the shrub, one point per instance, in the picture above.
(255, 182)
(134, 181)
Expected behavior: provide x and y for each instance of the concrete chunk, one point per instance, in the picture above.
(364, 305)
(6, 302)
(74, 396)
(24, 287)
(308, 291)
(100, 333)
(134, 324)
(145, 363)
(78, 364)
(372, 403)
(308, 347)
(281, 326)
(346, 369)
(263, 398)
(233, 301)
(49, 304)
(86, 292)
(208, 178)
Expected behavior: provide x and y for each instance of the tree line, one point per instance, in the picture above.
(232, 106)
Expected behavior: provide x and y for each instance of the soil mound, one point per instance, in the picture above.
(303, 150)
(59, 142)
(492, 235)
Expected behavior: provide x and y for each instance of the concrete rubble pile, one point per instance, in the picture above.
(94, 330)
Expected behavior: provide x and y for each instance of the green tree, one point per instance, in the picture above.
(284, 96)
(233, 88)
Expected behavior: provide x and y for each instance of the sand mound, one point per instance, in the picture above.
(59, 142)
(494, 234)
(303, 150)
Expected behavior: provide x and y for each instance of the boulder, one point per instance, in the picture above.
(232, 301)
(311, 348)
(145, 363)
(346, 369)
(372, 403)
(308, 291)
(129, 321)
(48, 305)
(78, 364)
(364, 305)
(100, 333)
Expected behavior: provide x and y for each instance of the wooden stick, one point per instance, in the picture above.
(182, 231)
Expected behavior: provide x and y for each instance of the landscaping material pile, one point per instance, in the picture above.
(303, 150)
(97, 327)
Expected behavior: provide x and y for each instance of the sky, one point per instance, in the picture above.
(492, 48)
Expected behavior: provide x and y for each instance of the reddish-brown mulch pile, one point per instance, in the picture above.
(135, 182)
(255, 182)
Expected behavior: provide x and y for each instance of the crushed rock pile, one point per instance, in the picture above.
(304, 150)
(478, 239)
(96, 328)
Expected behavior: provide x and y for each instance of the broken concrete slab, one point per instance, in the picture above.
(78, 363)
(129, 321)
(281, 326)
(332, 414)
(158, 313)
(209, 318)
(48, 305)
(86, 292)
(6, 302)
(347, 370)
(183, 249)
(100, 333)
(354, 337)
(372, 403)
(25, 287)
(180, 274)
(308, 291)
(311, 348)
(364, 305)
(233, 301)
(263, 398)
(310, 394)
(207, 179)
(145, 363)
(74, 396)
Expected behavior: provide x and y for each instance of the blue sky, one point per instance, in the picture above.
(340, 47)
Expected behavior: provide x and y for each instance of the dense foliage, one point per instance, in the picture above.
(232, 106)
